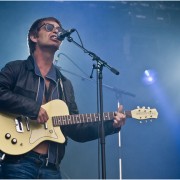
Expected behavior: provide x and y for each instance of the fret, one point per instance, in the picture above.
(106, 116)
(111, 115)
(69, 119)
(96, 117)
(54, 121)
(63, 120)
(82, 117)
(93, 119)
(66, 120)
(77, 120)
(72, 119)
(88, 118)
(58, 121)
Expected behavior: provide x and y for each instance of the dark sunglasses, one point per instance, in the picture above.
(50, 27)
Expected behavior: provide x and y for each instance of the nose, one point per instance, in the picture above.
(55, 30)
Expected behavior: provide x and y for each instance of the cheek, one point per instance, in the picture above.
(42, 36)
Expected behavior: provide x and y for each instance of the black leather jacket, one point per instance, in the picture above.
(18, 92)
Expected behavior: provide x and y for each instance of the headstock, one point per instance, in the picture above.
(144, 113)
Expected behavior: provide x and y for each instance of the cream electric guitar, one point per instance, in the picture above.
(19, 135)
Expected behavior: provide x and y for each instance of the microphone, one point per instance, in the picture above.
(64, 33)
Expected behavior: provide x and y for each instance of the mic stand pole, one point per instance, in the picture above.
(99, 67)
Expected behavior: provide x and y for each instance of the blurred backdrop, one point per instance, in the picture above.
(140, 39)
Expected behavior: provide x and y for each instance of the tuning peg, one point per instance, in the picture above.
(149, 108)
(138, 107)
(140, 121)
(143, 107)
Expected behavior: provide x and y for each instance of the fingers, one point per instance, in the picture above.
(118, 122)
(42, 116)
(119, 118)
(120, 109)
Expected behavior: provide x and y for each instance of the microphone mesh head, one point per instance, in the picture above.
(60, 36)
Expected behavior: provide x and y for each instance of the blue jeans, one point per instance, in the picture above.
(29, 166)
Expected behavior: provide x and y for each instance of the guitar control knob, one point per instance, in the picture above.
(14, 141)
(7, 136)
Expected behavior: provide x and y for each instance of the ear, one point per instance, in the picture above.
(33, 38)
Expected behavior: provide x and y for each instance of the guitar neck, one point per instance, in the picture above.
(83, 118)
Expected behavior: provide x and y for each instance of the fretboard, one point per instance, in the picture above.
(83, 118)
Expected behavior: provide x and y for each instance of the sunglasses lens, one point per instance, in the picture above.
(49, 27)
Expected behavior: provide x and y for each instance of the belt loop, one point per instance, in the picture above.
(2, 157)
(47, 155)
(47, 161)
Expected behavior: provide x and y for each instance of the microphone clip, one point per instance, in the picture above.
(94, 67)
(65, 33)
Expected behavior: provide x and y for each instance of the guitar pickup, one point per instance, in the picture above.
(19, 125)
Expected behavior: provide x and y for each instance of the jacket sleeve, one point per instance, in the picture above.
(11, 101)
(86, 131)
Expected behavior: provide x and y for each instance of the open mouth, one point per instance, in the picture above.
(54, 37)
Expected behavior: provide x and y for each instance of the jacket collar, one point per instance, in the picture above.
(31, 67)
(30, 63)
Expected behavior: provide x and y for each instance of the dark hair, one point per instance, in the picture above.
(34, 31)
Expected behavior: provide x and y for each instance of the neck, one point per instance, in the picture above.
(44, 60)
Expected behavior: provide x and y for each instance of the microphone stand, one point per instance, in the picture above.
(99, 67)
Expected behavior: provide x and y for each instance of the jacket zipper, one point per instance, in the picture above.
(61, 84)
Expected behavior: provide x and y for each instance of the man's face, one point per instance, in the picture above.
(47, 36)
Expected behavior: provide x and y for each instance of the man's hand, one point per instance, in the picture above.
(119, 118)
(42, 116)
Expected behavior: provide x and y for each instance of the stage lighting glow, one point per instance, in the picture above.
(149, 77)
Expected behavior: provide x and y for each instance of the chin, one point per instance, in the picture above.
(54, 47)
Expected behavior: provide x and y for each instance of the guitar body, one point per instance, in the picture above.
(18, 139)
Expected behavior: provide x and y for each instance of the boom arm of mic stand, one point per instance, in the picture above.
(94, 56)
